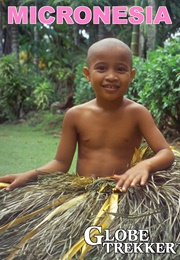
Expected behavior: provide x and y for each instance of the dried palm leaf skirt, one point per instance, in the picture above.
(54, 219)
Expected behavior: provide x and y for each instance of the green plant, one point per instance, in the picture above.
(157, 84)
(83, 89)
(14, 88)
(43, 94)
(137, 84)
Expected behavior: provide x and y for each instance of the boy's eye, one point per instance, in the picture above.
(121, 69)
(101, 68)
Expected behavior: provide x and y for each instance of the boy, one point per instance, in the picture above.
(108, 128)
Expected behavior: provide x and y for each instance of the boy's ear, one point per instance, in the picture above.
(133, 72)
(86, 73)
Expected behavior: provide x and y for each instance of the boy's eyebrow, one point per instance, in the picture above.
(107, 63)
(101, 62)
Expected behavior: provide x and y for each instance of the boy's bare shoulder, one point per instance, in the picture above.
(83, 108)
(136, 107)
(140, 114)
(80, 108)
(137, 110)
(78, 111)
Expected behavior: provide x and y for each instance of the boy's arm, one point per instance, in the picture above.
(162, 159)
(61, 162)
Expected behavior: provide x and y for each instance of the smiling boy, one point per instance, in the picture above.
(108, 128)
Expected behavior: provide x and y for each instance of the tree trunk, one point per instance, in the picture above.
(151, 35)
(36, 37)
(14, 40)
(76, 34)
(14, 33)
(135, 35)
(135, 40)
(1, 29)
(101, 31)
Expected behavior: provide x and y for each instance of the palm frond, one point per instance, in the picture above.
(47, 219)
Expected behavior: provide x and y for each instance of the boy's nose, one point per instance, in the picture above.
(111, 76)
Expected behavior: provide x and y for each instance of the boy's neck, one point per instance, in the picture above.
(109, 105)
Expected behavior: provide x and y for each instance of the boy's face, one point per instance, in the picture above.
(110, 71)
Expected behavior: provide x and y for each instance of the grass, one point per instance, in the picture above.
(24, 147)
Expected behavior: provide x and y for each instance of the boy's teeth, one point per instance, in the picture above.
(111, 87)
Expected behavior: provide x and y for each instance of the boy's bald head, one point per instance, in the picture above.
(107, 43)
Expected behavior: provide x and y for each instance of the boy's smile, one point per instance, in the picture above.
(111, 88)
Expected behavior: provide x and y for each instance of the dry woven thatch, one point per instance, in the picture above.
(155, 207)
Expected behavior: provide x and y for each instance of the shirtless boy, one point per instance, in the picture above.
(108, 128)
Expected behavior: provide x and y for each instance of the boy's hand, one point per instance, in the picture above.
(16, 180)
(135, 175)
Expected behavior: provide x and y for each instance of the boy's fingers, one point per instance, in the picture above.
(126, 182)
(120, 180)
(12, 186)
(123, 182)
(135, 181)
(143, 181)
(4, 179)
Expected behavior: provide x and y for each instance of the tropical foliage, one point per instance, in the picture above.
(157, 84)
(21, 92)
(83, 89)
(14, 88)
(49, 58)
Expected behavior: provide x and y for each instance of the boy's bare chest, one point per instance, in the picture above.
(111, 131)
